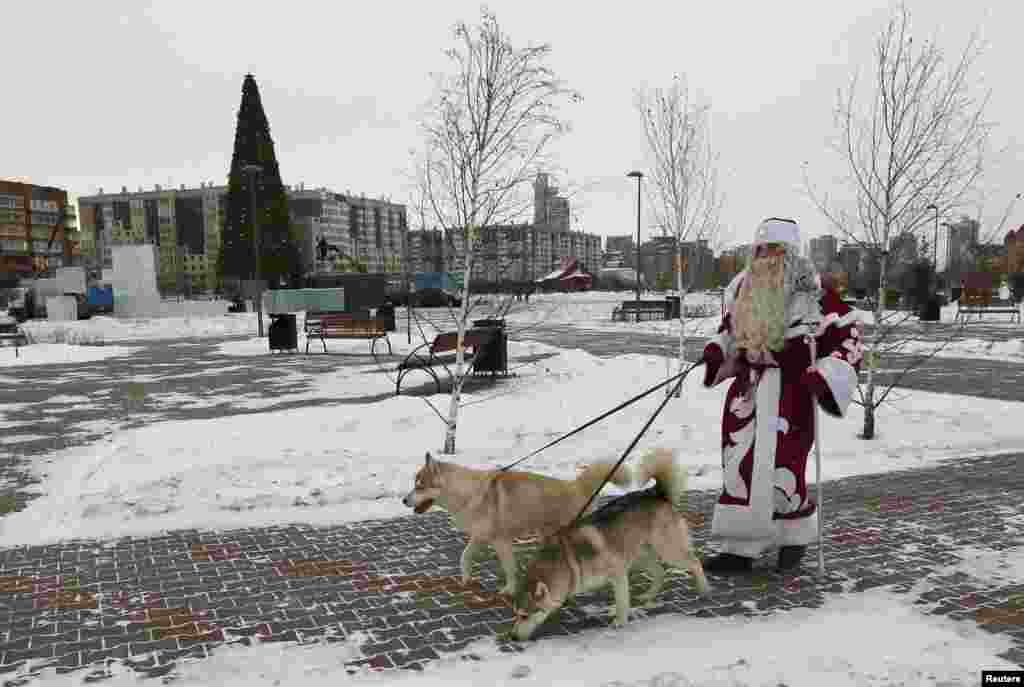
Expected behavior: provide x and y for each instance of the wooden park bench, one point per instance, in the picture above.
(441, 353)
(640, 311)
(980, 302)
(341, 325)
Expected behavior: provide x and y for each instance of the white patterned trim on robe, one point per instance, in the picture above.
(754, 522)
(841, 378)
(794, 532)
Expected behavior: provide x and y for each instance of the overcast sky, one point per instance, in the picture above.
(129, 93)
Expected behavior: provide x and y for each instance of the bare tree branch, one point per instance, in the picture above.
(486, 131)
(683, 187)
(918, 139)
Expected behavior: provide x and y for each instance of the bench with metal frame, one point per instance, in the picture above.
(340, 325)
(980, 302)
(428, 356)
(639, 311)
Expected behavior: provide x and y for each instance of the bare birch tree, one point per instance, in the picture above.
(487, 130)
(684, 193)
(917, 141)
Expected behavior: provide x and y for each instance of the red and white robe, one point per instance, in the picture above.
(768, 425)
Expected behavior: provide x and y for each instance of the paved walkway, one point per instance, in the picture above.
(155, 602)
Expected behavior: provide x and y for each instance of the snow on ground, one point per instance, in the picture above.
(593, 311)
(340, 462)
(587, 310)
(871, 638)
(58, 353)
(103, 328)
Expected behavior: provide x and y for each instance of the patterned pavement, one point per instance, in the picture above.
(391, 587)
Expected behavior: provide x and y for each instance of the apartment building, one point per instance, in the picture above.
(823, 250)
(624, 247)
(186, 225)
(550, 209)
(369, 231)
(513, 252)
(38, 230)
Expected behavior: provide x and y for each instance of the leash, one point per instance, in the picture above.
(680, 377)
(636, 440)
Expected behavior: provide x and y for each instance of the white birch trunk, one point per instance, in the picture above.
(868, 431)
(460, 358)
(682, 312)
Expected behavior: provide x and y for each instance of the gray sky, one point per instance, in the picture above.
(131, 93)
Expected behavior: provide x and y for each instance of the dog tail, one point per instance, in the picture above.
(593, 474)
(669, 474)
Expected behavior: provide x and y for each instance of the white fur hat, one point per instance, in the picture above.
(775, 230)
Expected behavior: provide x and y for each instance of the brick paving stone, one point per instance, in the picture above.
(888, 531)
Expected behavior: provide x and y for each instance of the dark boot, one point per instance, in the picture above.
(728, 564)
(790, 556)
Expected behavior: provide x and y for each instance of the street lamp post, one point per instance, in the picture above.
(935, 245)
(254, 171)
(638, 176)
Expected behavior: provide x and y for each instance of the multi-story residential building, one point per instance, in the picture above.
(624, 246)
(186, 226)
(961, 238)
(427, 251)
(613, 259)
(550, 210)
(38, 230)
(516, 252)
(1014, 245)
(658, 256)
(849, 259)
(370, 231)
(823, 251)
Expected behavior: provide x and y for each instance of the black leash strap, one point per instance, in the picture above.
(681, 376)
(633, 444)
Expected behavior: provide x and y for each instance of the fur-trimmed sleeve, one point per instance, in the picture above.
(725, 337)
(840, 340)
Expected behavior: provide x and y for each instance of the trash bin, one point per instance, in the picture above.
(386, 313)
(930, 310)
(283, 334)
(493, 357)
(672, 307)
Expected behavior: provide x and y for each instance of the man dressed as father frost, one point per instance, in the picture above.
(773, 309)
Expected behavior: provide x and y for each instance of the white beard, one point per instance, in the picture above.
(760, 310)
(778, 291)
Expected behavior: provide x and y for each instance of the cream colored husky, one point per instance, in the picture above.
(496, 508)
(639, 529)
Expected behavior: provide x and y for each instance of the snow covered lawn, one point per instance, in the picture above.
(57, 353)
(340, 462)
(104, 328)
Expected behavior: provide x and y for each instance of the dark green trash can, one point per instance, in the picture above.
(930, 311)
(494, 356)
(283, 333)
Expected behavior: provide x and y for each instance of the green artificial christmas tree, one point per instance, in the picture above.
(279, 257)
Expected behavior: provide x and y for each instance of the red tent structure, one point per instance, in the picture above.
(568, 277)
